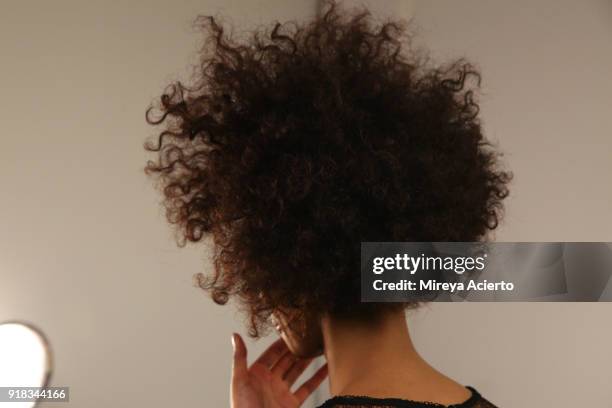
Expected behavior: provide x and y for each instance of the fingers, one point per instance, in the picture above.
(309, 386)
(272, 354)
(239, 364)
(284, 363)
(296, 370)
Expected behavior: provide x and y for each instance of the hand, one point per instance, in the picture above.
(267, 382)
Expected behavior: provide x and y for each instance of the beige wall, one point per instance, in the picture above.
(84, 249)
(547, 79)
(86, 255)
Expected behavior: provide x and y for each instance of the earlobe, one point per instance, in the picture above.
(301, 332)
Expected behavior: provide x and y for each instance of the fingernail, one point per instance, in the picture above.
(234, 341)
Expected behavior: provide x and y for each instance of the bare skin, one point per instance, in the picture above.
(268, 381)
(376, 359)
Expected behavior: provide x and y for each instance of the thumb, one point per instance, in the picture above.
(239, 365)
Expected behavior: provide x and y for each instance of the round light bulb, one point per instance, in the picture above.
(25, 359)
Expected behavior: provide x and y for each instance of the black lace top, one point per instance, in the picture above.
(474, 401)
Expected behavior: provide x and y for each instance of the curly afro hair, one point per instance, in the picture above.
(297, 142)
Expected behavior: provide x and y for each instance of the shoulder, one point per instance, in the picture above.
(347, 401)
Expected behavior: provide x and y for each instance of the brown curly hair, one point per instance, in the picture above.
(295, 144)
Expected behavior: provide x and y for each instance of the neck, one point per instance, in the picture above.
(377, 359)
(359, 352)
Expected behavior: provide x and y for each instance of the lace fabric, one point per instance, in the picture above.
(351, 401)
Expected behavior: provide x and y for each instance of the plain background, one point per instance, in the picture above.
(86, 255)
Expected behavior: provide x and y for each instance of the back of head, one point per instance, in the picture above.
(297, 143)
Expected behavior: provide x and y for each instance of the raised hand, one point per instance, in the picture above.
(267, 382)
